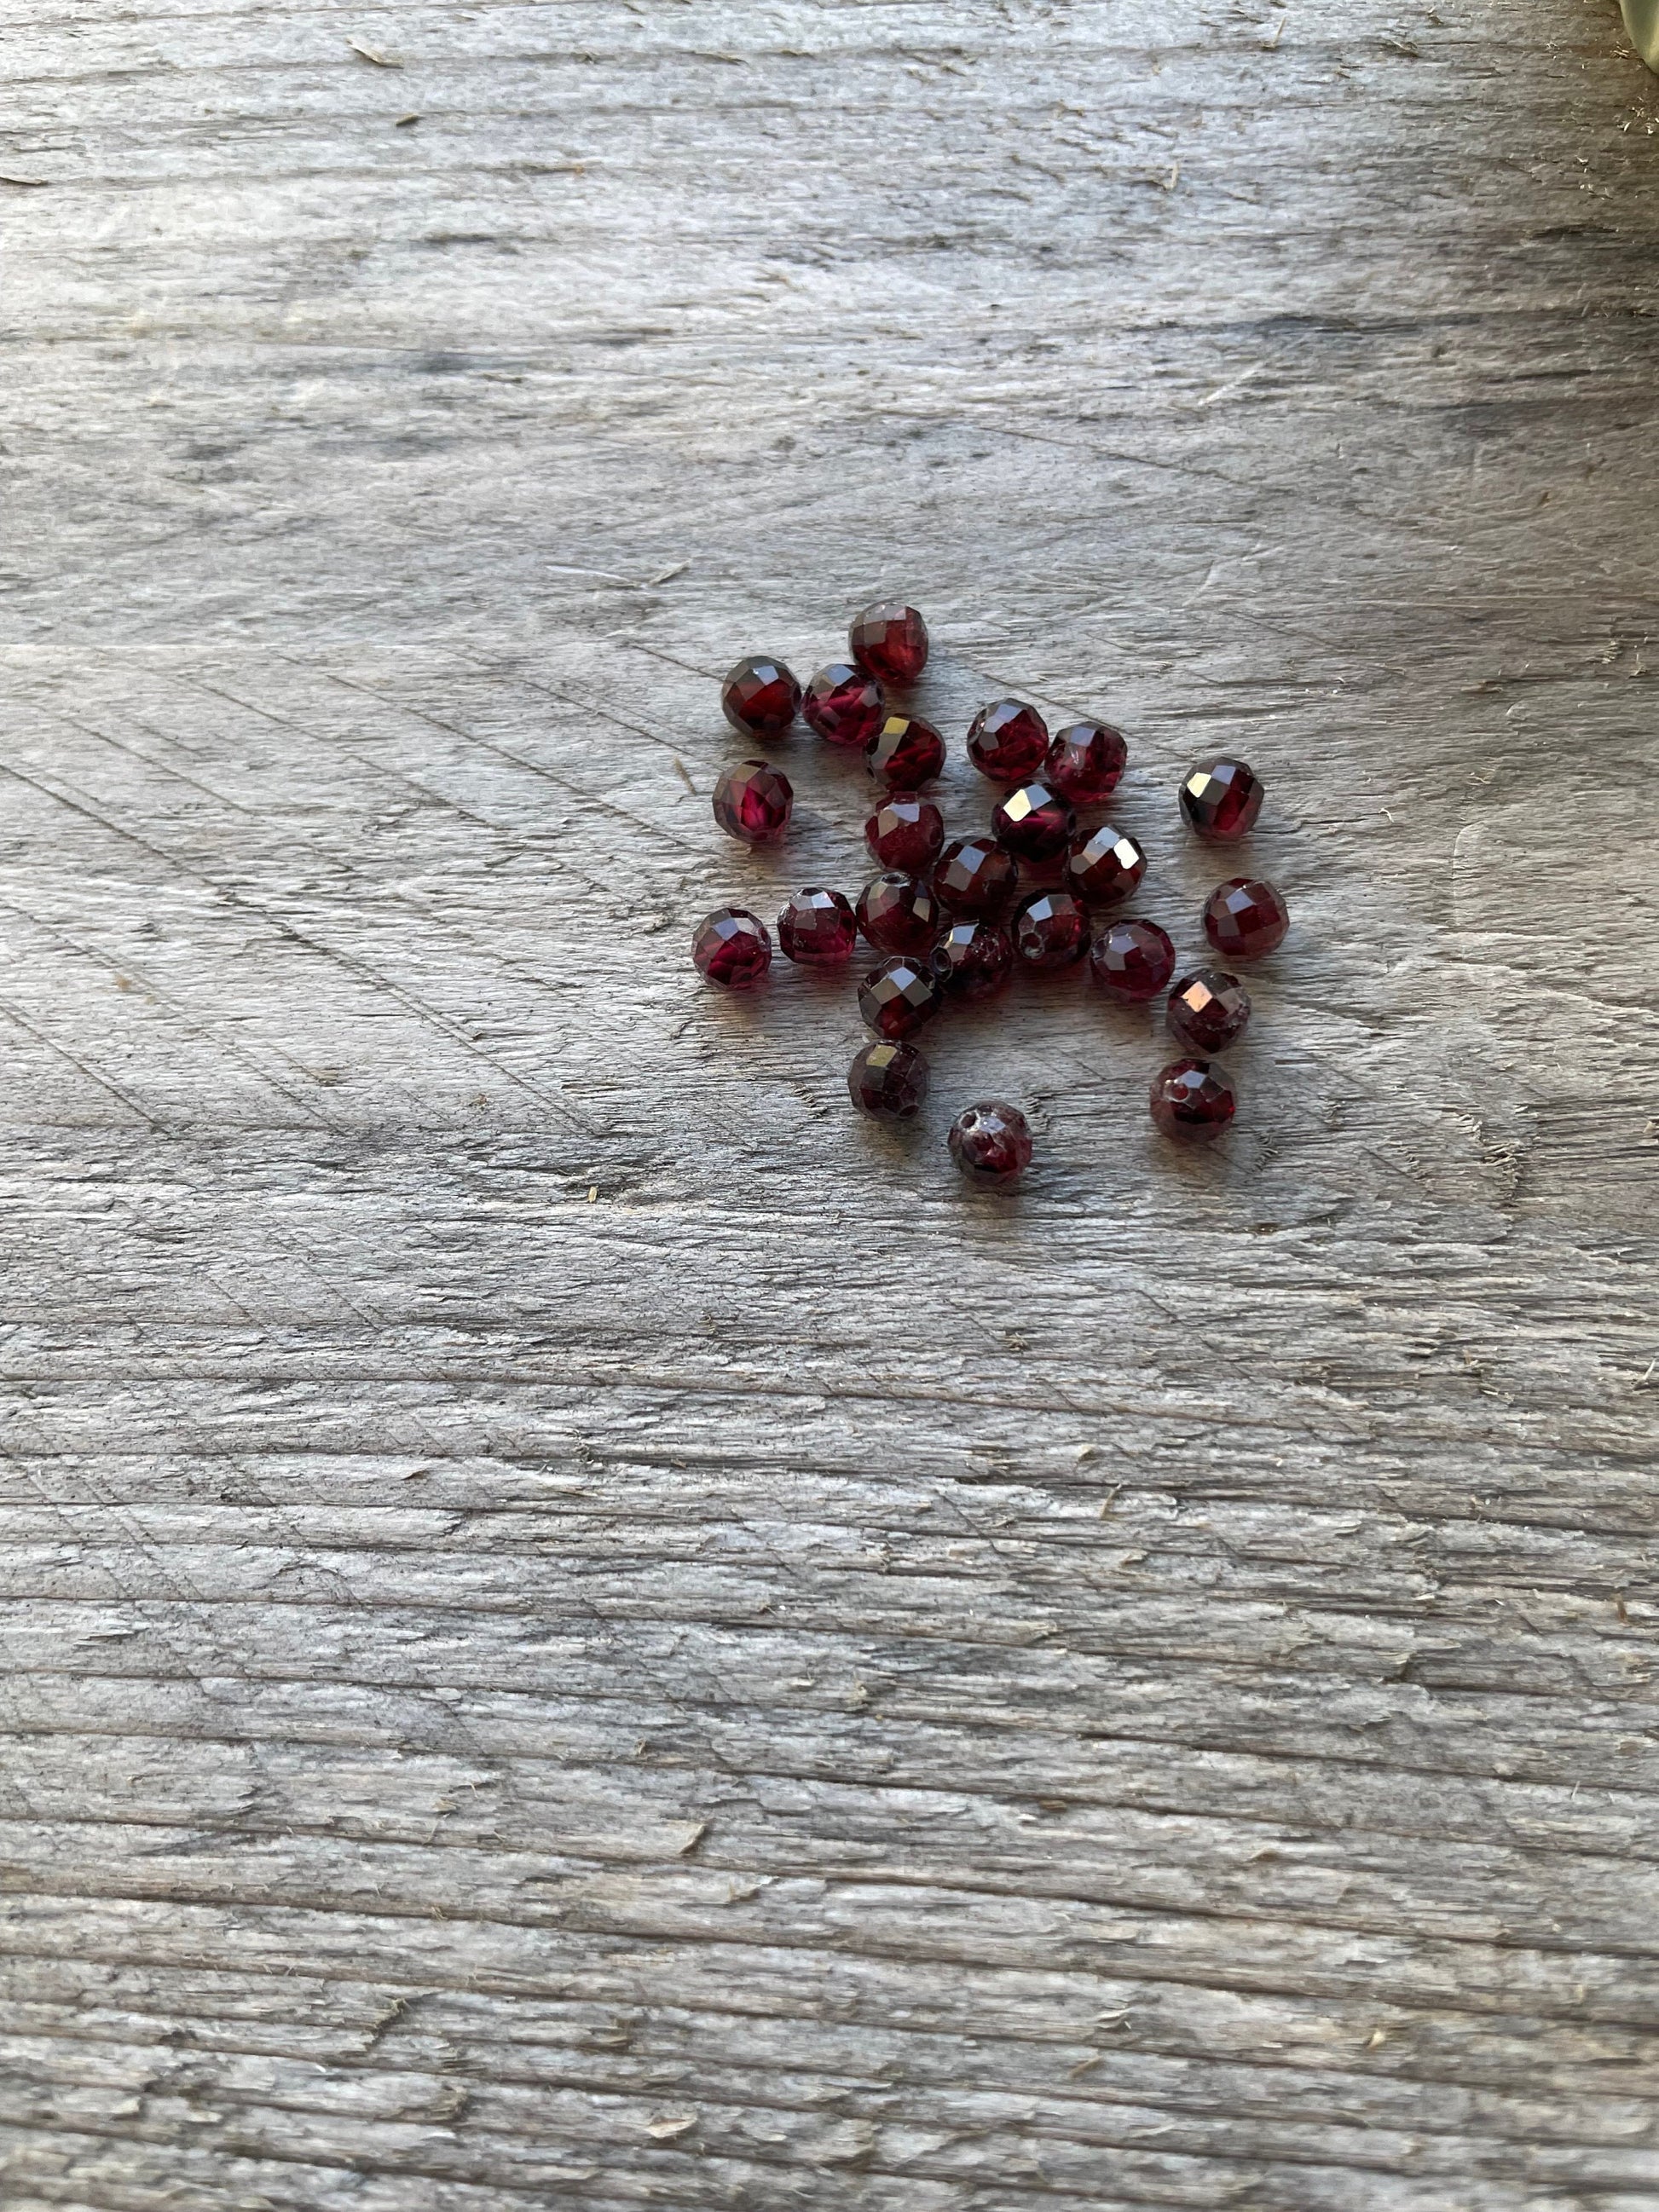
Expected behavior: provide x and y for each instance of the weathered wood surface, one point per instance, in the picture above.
(580, 1629)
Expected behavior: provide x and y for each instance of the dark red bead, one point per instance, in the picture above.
(890, 642)
(1051, 930)
(906, 752)
(1221, 800)
(991, 1143)
(1085, 762)
(732, 948)
(1245, 920)
(1034, 822)
(819, 928)
(753, 800)
(974, 876)
(899, 996)
(899, 913)
(761, 696)
(1105, 866)
(973, 960)
(844, 705)
(1193, 1100)
(1133, 960)
(906, 833)
(1207, 1010)
(1007, 741)
(889, 1081)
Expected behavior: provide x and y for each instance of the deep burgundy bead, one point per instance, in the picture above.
(899, 996)
(1085, 762)
(819, 928)
(973, 960)
(1207, 1011)
(974, 876)
(753, 801)
(1221, 800)
(732, 948)
(1245, 920)
(899, 913)
(1007, 741)
(1105, 866)
(844, 705)
(906, 752)
(888, 1080)
(890, 642)
(760, 697)
(1034, 822)
(1051, 930)
(1193, 1100)
(991, 1142)
(1133, 960)
(906, 833)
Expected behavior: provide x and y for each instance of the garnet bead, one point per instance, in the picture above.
(906, 752)
(732, 948)
(1085, 762)
(1221, 800)
(1245, 920)
(906, 833)
(819, 928)
(888, 1080)
(753, 801)
(760, 697)
(1208, 1010)
(899, 913)
(1105, 866)
(844, 705)
(1051, 930)
(991, 1143)
(1033, 822)
(1133, 960)
(1193, 1100)
(975, 877)
(1007, 741)
(890, 642)
(973, 960)
(899, 996)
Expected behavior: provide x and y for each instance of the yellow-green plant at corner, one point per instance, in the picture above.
(1642, 22)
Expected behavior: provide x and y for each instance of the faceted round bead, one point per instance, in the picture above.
(753, 800)
(973, 960)
(732, 948)
(991, 1143)
(1085, 762)
(1051, 930)
(1105, 866)
(905, 753)
(906, 833)
(1133, 960)
(889, 1081)
(760, 697)
(844, 705)
(974, 876)
(1191, 1100)
(889, 643)
(1245, 920)
(899, 996)
(1221, 800)
(1007, 741)
(899, 913)
(819, 928)
(1034, 822)
(1207, 1011)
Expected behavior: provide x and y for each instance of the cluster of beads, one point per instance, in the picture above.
(954, 920)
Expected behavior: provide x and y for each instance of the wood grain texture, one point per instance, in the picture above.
(578, 1627)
